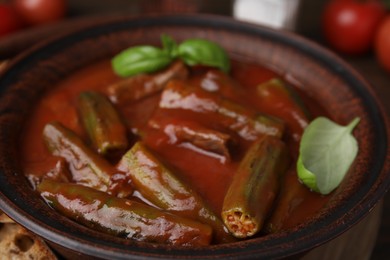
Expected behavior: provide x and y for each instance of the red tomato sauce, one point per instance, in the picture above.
(208, 175)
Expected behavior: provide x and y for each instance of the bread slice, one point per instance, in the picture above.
(17, 243)
(4, 218)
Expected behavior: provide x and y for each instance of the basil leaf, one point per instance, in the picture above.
(147, 59)
(203, 52)
(169, 45)
(140, 59)
(327, 151)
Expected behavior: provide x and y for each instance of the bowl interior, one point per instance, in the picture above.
(323, 76)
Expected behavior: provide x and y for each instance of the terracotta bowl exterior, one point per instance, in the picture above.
(322, 75)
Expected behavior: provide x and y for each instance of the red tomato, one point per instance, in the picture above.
(349, 26)
(36, 12)
(9, 20)
(382, 43)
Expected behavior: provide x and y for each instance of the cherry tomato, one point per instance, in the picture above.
(36, 12)
(9, 20)
(349, 26)
(382, 43)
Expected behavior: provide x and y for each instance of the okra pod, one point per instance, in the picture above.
(218, 81)
(246, 123)
(254, 187)
(60, 172)
(206, 139)
(137, 87)
(295, 203)
(161, 187)
(122, 217)
(54, 168)
(275, 95)
(86, 166)
(102, 123)
(292, 194)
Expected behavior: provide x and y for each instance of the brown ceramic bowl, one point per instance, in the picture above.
(325, 77)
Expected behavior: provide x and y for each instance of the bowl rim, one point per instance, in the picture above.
(12, 206)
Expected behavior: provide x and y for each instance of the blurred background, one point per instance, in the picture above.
(349, 27)
(357, 30)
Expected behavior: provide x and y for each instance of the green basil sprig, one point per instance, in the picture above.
(140, 59)
(169, 45)
(204, 52)
(326, 152)
(147, 59)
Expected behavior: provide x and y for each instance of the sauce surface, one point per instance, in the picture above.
(209, 175)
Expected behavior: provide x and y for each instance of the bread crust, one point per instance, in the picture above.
(18, 243)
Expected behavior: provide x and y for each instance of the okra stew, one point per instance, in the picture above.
(178, 145)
